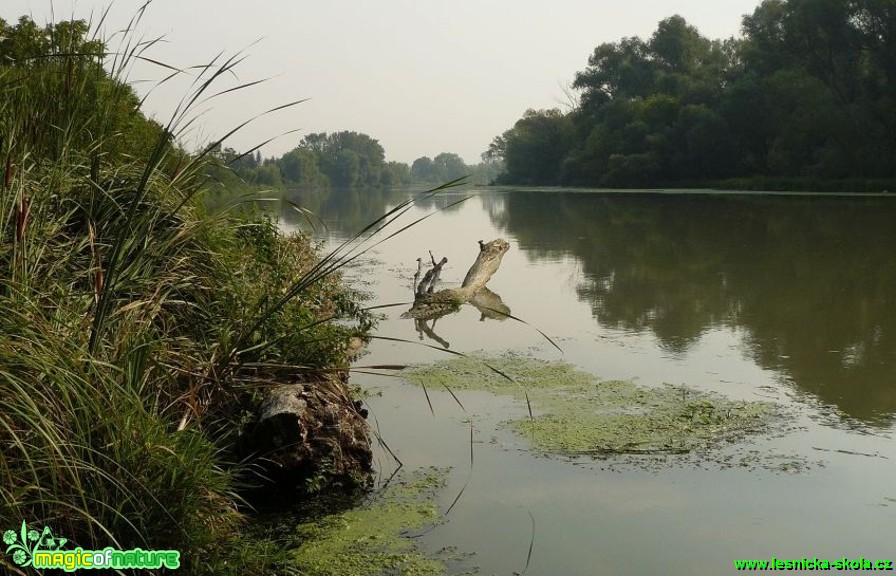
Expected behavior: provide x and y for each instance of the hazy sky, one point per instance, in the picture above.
(422, 77)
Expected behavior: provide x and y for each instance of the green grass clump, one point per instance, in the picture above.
(136, 329)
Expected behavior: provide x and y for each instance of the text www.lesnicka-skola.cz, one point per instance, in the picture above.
(814, 564)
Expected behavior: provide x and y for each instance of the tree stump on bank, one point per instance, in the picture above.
(429, 304)
(313, 432)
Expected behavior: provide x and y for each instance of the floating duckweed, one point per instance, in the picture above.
(370, 540)
(577, 413)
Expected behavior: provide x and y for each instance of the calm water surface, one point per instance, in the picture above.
(783, 298)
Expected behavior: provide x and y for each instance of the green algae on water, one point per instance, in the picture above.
(576, 413)
(372, 539)
(620, 417)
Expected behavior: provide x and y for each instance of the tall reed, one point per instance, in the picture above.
(124, 308)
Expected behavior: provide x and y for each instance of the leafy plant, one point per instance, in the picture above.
(119, 297)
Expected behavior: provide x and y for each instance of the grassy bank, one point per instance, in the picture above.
(137, 330)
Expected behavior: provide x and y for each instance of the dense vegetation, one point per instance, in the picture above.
(135, 328)
(805, 98)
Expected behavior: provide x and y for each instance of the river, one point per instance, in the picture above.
(783, 298)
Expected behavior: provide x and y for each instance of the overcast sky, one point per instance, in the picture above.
(422, 77)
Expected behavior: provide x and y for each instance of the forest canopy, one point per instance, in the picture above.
(805, 97)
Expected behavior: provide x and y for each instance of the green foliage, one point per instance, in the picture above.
(342, 160)
(809, 92)
(300, 166)
(125, 365)
(260, 266)
(395, 174)
(346, 158)
(443, 168)
(58, 99)
(535, 147)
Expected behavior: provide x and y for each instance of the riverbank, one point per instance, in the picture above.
(140, 332)
(126, 432)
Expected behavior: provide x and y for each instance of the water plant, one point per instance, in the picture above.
(572, 412)
(371, 539)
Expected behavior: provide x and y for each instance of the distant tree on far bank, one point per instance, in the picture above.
(346, 160)
(448, 166)
(341, 159)
(443, 168)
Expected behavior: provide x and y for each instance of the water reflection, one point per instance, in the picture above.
(343, 211)
(722, 292)
(810, 280)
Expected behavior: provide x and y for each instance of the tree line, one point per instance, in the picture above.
(806, 97)
(348, 160)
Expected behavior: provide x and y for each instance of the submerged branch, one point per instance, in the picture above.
(429, 279)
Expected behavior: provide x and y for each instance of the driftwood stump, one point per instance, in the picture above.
(429, 304)
(313, 430)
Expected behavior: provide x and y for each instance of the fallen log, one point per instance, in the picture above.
(429, 304)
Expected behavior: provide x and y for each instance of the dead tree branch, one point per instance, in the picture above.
(430, 304)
